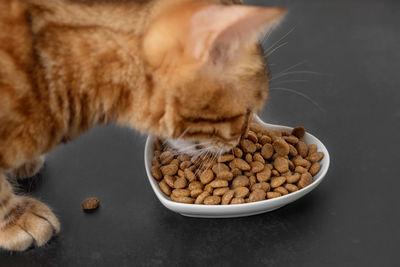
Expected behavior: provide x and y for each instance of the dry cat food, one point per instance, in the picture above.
(266, 164)
(90, 203)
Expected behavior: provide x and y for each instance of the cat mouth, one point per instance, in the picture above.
(191, 147)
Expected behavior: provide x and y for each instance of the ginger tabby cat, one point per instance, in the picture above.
(188, 70)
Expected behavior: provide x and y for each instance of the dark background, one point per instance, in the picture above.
(345, 91)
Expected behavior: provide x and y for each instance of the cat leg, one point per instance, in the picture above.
(24, 221)
(28, 169)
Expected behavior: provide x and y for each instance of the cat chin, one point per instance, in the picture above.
(193, 148)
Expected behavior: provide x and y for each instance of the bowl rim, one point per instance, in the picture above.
(317, 179)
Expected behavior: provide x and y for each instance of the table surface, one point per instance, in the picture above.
(338, 75)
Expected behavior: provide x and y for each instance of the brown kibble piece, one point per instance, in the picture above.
(292, 151)
(252, 136)
(281, 147)
(299, 131)
(169, 169)
(219, 183)
(277, 181)
(241, 191)
(255, 127)
(226, 158)
(283, 191)
(317, 156)
(155, 162)
(175, 162)
(225, 175)
(273, 195)
(236, 172)
(206, 176)
(305, 180)
(252, 180)
(291, 139)
(212, 200)
(238, 152)
(248, 146)
(220, 191)
(257, 157)
(257, 195)
(201, 197)
(312, 149)
(180, 182)
(170, 180)
(249, 158)
(195, 185)
(264, 175)
(299, 161)
(183, 157)
(291, 179)
(314, 169)
(264, 186)
(155, 171)
(291, 188)
(237, 200)
(166, 157)
(189, 175)
(181, 192)
(240, 181)
(196, 192)
(267, 151)
(90, 203)
(265, 139)
(227, 197)
(275, 173)
(300, 169)
(241, 164)
(281, 164)
(220, 167)
(187, 200)
(302, 148)
(256, 166)
(181, 173)
(209, 188)
(164, 188)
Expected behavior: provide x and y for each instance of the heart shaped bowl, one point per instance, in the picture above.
(237, 210)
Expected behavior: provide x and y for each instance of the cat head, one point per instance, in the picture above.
(208, 71)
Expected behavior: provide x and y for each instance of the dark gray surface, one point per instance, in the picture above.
(351, 219)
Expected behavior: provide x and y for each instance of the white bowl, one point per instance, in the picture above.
(237, 210)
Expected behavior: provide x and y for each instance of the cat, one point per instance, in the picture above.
(188, 70)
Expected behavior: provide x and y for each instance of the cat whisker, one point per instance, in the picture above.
(276, 48)
(295, 72)
(300, 94)
(291, 67)
(180, 136)
(289, 81)
(280, 39)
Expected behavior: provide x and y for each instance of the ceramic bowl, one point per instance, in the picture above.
(238, 210)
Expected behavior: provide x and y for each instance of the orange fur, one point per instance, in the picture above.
(163, 67)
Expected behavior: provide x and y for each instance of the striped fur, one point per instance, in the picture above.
(158, 66)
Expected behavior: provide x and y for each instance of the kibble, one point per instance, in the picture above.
(90, 203)
(266, 164)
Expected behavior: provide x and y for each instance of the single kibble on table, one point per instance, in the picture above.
(90, 203)
(265, 164)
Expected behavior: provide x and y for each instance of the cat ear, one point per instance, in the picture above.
(217, 31)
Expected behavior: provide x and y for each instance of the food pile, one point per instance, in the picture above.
(266, 164)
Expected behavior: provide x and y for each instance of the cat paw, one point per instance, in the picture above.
(28, 169)
(29, 223)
